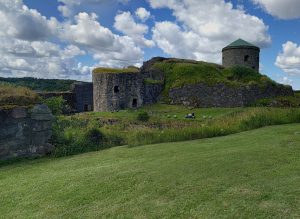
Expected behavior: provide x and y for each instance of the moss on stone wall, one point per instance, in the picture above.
(117, 70)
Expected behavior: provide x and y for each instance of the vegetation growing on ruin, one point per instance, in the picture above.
(11, 95)
(166, 124)
(47, 85)
(131, 69)
(279, 102)
(179, 73)
(253, 174)
(55, 104)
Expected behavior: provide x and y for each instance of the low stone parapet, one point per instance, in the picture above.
(25, 132)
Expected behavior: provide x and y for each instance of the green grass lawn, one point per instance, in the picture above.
(254, 174)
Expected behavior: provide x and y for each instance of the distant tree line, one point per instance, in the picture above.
(40, 84)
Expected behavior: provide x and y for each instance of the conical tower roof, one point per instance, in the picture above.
(240, 43)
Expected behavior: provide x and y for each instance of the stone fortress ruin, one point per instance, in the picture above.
(25, 132)
(117, 89)
(129, 88)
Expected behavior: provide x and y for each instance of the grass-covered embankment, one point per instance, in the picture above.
(253, 174)
(130, 69)
(179, 73)
(93, 131)
(11, 95)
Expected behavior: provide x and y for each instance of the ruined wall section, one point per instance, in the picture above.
(220, 95)
(117, 91)
(153, 81)
(25, 132)
(83, 96)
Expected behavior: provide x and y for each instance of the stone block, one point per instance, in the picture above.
(18, 113)
(40, 138)
(42, 113)
(41, 126)
(9, 131)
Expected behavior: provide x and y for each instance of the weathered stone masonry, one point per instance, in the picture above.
(116, 91)
(220, 95)
(25, 132)
(241, 53)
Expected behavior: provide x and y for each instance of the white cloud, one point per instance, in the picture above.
(205, 27)
(182, 43)
(125, 23)
(142, 14)
(26, 48)
(286, 80)
(283, 9)
(109, 48)
(289, 59)
(17, 20)
(37, 59)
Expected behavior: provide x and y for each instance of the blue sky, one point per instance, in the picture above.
(67, 38)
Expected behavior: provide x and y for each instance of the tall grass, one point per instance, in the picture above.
(71, 136)
(11, 95)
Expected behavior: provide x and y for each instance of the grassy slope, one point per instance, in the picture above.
(11, 95)
(179, 73)
(247, 175)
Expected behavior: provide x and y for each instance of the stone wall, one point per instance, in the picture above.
(152, 93)
(237, 57)
(25, 132)
(152, 90)
(116, 91)
(83, 96)
(220, 95)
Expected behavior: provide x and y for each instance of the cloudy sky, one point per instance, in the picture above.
(68, 38)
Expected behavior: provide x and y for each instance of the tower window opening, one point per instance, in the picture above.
(134, 103)
(116, 89)
(246, 58)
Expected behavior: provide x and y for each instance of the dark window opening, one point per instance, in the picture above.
(246, 58)
(134, 103)
(116, 89)
(253, 67)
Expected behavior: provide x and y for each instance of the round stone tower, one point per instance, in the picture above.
(241, 53)
(117, 89)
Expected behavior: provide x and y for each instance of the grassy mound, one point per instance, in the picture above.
(131, 69)
(183, 72)
(11, 95)
(248, 175)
